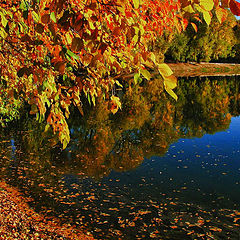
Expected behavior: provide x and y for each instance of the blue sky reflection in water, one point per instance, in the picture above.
(202, 170)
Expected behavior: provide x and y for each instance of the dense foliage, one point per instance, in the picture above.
(53, 52)
(213, 42)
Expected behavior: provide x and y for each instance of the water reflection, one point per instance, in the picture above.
(102, 182)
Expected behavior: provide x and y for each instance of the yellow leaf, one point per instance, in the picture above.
(188, 9)
(68, 38)
(207, 17)
(146, 73)
(164, 70)
(116, 104)
(3, 19)
(3, 34)
(136, 3)
(170, 83)
(171, 93)
(135, 39)
(207, 4)
(153, 57)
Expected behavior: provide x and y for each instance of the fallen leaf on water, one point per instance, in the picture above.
(215, 229)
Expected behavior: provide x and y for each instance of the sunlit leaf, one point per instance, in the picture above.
(164, 70)
(207, 17)
(4, 21)
(136, 3)
(170, 83)
(235, 7)
(207, 4)
(53, 17)
(146, 74)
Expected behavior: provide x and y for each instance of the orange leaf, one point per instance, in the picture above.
(194, 26)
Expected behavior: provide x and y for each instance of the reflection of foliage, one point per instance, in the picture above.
(148, 123)
(205, 107)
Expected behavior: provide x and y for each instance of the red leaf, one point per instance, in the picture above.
(235, 7)
(45, 18)
(103, 47)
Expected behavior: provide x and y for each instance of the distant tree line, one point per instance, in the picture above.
(216, 42)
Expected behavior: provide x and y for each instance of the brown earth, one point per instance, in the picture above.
(19, 221)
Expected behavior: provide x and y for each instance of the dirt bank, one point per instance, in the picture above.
(204, 69)
(19, 221)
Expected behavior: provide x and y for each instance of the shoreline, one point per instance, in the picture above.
(19, 221)
(194, 69)
(204, 69)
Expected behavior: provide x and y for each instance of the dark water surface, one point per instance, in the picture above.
(158, 169)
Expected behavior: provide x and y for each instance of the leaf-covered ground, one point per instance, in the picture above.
(19, 221)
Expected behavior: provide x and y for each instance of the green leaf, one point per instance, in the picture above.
(89, 99)
(35, 16)
(146, 74)
(53, 17)
(73, 55)
(23, 6)
(136, 78)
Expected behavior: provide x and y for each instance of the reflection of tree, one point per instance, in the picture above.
(203, 106)
(234, 105)
(147, 125)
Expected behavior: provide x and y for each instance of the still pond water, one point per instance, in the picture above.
(158, 169)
